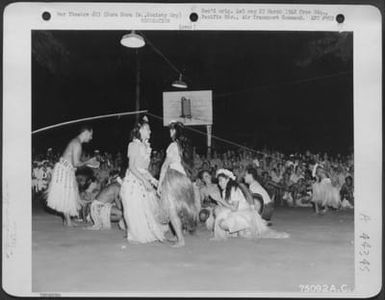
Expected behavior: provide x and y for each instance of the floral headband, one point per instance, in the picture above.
(227, 173)
(175, 122)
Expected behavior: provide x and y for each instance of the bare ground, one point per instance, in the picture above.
(319, 251)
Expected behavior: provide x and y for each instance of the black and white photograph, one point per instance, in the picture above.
(272, 196)
(193, 161)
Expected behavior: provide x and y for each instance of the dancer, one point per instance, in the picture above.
(175, 186)
(138, 195)
(107, 207)
(63, 193)
(325, 195)
(234, 217)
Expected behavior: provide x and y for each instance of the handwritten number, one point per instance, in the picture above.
(364, 217)
(364, 252)
(364, 236)
(366, 245)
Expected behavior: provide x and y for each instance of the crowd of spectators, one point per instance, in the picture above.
(288, 178)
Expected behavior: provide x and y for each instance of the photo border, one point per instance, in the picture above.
(364, 21)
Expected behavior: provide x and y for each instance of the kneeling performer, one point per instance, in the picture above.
(107, 207)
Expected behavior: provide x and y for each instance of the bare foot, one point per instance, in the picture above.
(171, 238)
(178, 244)
(215, 239)
(92, 228)
(132, 242)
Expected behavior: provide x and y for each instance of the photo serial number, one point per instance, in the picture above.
(324, 288)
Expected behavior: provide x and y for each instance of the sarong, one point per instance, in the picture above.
(101, 215)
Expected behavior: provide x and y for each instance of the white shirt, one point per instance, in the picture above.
(255, 187)
(175, 159)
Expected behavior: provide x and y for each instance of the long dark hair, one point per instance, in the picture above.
(184, 146)
(135, 132)
(234, 184)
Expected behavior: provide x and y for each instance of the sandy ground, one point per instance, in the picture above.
(319, 251)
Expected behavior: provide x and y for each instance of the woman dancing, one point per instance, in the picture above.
(325, 195)
(234, 216)
(140, 203)
(175, 186)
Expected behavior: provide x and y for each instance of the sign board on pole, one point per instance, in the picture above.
(189, 107)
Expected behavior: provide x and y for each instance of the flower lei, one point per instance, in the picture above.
(147, 147)
(227, 173)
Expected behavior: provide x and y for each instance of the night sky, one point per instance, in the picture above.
(289, 91)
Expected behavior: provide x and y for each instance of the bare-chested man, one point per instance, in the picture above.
(107, 207)
(63, 192)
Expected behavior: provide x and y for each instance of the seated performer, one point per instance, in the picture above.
(263, 203)
(302, 196)
(63, 193)
(347, 193)
(234, 217)
(107, 207)
(88, 192)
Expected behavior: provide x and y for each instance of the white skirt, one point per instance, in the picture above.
(325, 194)
(141, 209)
(63, 193)
(244, 223)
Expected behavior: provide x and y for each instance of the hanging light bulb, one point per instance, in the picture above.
(132, 40)
(180, 83)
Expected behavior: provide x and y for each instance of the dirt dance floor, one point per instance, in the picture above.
(319, 251)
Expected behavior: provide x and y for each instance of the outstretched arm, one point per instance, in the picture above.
(76, 154)
(163, 171)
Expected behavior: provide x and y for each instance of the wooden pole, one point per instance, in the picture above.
(89, 119)
(209, 133)
(137, 89)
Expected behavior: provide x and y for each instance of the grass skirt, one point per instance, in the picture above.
(101, 215)
(141, 210)
(178, 194)
(63, 193)
(325, 194)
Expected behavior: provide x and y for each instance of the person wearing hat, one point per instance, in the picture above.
(175, 188)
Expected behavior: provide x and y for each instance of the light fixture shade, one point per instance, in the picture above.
(179, 83)
(132, 40)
